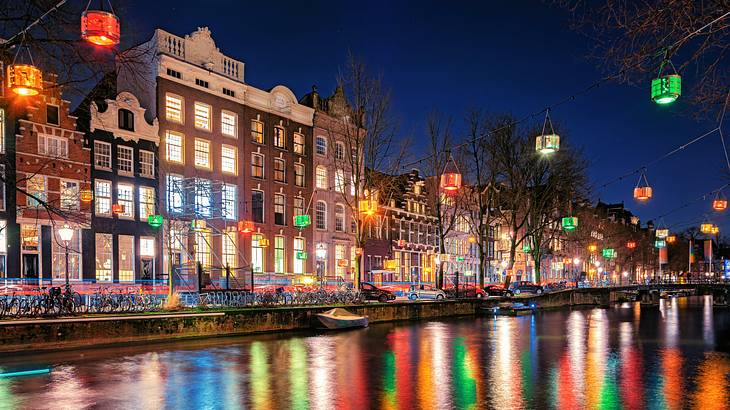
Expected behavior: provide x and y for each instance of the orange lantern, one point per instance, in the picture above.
(25, 79)
(642, 192)
(450, 181)
(706, 228)
(118, 209)
(631, 244)
(100, 27)
(401, 242)
(263, 243)
(246, 226)
(592, 248)
(358, 251)
(719, 204)
(368, 206)
(86, 195)
(715, 230)
(671, 238)
(472, 239)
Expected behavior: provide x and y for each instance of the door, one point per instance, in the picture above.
(30, 265)
(148, 270)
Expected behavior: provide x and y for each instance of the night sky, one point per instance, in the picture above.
(502, 56)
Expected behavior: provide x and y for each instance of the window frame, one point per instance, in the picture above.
(98, 144)
(234, 159)
(299, 143)
(262, 139)
(317, 145)
(280, 204)
(258, 167)
(100, 200)
(280, 174)
(234, 125)
(144, 206)
(203, 120)
(279, 139)
(180, 111)
(142, 164)
(321, 180)
(128, 210)
(196, 151)
(320, 217)
(127, 161)
(181, 147)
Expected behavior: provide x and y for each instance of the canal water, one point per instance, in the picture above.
(630, 356)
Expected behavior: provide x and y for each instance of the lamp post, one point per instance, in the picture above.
(66, 233)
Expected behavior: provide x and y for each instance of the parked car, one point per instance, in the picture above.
(368, 291)
(465, 291)
(524, 286)
(497, 290)
(425, 292)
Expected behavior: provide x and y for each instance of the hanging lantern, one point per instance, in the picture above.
(671, 238)
(609, 253)
(358, 251)
(100, 27)
(302, 221)
(719, 204)
(246, 226)
(715, 230)
(342, 263)
(662, 233)
(25, 79)
(263, 243)
(401, 243)
(368, 207)
(592, 248)
(666, 89)
(86, 195)
(450, 181)
(643, 191)
(660, 243)
(546, 144)
(155, 221)
(301, 255)
(117, 208)
(631, 245)
(472, 239)
(706, 228)
(526, 248)
(570, 223)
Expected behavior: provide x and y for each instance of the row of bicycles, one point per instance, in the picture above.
(278, 297)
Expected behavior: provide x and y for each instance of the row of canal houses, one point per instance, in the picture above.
(176, 164)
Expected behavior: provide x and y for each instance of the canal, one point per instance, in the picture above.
(629, 356)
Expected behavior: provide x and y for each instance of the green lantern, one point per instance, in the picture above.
(526, 248)
(666, 89)
(302, 221)
(301, 255)
(155, 221)
(660, 243)
(546, 144)
(460, 259)
(609, 253)
(570, 223)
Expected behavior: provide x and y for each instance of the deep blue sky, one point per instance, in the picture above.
(503, 56)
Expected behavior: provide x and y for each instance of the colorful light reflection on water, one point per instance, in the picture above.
(625, 357)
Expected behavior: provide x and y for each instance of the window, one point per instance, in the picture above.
(36, 189)
(257, 165)
(146, 202)
(228, 123)
(103, 197)
(279, 137)
(125, 258)
(125, 198)
(257, 254)
(147, 247)
(202, 116)
(279, 214)
(340, 256)
(103, 257)
(321, 145)
(175, 202)
(2, 130)
(203, 192)
(174, 144)
(228, 92)
(202, 153)
(257, 131)
(126, 119)
(340, 151)
(321, 215)
(58, 256)
(279, 170)
(69, 195)
(29, 235)
(298, 263)
(52, 146)
(102, 155)
(174, 73)
(353, 186)
(125, 159)
(298, 205)
(279, 252)
(298, 143)
(340, 218)
(147, 164)
(257, 206)
(202, 248)
(2, 195)
(52, 114)
(340, 181)
(229, 200)
(201, 83)
(321, 177)
(299, 176)
(174, 108)
(228, 159)
(230, 256)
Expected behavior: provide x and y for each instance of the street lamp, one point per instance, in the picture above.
(66, 233)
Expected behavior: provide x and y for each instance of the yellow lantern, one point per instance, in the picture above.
(25, 79)
(263, 243)
(86, 195)
(592, 248)
(715, 230)
(368, 207)
(706, 228)
(671, 238)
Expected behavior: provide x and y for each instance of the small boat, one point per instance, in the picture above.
(339, 318)
(509, 309)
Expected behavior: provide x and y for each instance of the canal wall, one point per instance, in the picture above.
(73, 333)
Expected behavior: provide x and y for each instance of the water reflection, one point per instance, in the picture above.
(624, 357)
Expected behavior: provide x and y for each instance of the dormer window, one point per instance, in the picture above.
(52, 114)
(126, 120)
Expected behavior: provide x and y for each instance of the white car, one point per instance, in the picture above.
(425, 292)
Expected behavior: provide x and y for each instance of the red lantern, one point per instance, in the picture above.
(401, 242)
(246, 226)
(100, 27)
(450, 181)
(719, 204)
(631, 244)
(642, 193)
(118, 209)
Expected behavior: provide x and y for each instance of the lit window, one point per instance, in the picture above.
(298, 205)
(257, 206)
(147, 246)
(103, 257)
(2, 199)
(298, 262)
(228, 159)
(51, 146)
(321, 177)
(202, 116)
(340, 218)
(230, 255)
(36, 189)
(279, 137)
(321, 145)
(298, 143)
(203, 192)
(174, 193)
(339, 151)
(279, 255)
(59, 256)
(202, 248)
(279, 170)
(340, 181)
(102, 155)
(70, 195)
(147, 164)
(257, 254)
(125, 198)
(29, 238)
(321, 215)
(202, 153)
(174, 144)
(279, 209)
(173, 108)
(299, 175)
(257, 165)
(229, 200)
(146, 202)
(228, 123)
(103, 197)
(257, 131)
(2, 130)
(125, 159)
(340, 256)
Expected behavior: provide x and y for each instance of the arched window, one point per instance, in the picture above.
(340, 218)
(126, 120)
(321, 215)
(321, 177)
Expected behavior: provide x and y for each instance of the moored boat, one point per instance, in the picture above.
(339, 318)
